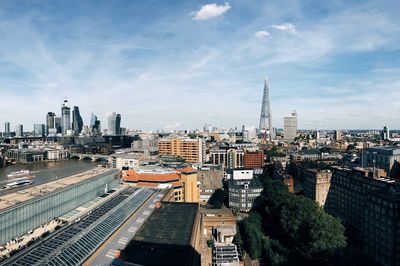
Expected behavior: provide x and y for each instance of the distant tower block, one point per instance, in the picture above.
(265, 117)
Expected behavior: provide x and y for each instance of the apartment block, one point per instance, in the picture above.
(254, 159)
(191, 150)
(316, 185)
(369, 202)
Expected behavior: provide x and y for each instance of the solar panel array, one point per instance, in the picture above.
(74, 244)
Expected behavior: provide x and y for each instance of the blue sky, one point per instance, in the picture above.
(180, 64)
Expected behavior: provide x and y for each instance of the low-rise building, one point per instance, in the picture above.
(209, 181)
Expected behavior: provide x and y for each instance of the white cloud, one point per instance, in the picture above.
(287, 27)
(262, 34)
(211, 11)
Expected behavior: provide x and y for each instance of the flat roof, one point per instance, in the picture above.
(171, 224)
(21, 196)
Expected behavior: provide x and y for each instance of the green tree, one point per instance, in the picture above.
(309, 230)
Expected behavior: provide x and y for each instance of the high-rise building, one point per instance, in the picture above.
(290, 127)
(7, 131)
(57, 124)
(95, 124)
(385, 134)
(265, 116)
(50, 123)
(39, 130)
(118, 124)
(65, 117)
(112, 122)
(191, 150)
(337, 136)
(77, 122)
(19, 130)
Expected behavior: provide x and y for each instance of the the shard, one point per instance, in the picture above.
(265, 127)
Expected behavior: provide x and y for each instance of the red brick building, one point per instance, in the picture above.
(254, 159)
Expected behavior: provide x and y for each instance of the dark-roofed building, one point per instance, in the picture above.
(170, 236)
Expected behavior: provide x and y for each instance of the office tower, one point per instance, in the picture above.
(191, 150)
(39, 130)
(290, 127)
(94, 124)
(50, 121)
(77, 122)
(337, 136)
(265, 117)
(385, 134)
(65, 117)
(111, 123)
(7, 132)
(57, 124)
(118, 124)
(19, 130)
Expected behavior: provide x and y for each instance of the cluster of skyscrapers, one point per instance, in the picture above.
(69, 124)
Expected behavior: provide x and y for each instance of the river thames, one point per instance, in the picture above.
(44, 172)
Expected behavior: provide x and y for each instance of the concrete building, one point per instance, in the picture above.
(125, 161)
(146, 148)
(209, 180)
(384, 157)
(228, 158)
(290, 127)
(317, 184)
(191, 150)
(244, 188)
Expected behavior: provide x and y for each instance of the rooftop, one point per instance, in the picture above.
(165, 237)
(171, 224)
(25, 195)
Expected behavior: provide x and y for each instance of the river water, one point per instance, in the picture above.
(44, 172)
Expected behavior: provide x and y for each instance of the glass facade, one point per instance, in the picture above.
(16, 221)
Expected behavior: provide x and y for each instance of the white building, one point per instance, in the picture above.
(290, 127)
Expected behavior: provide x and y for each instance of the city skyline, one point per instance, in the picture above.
(150, 61)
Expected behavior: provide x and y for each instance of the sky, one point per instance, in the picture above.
(180, 64)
